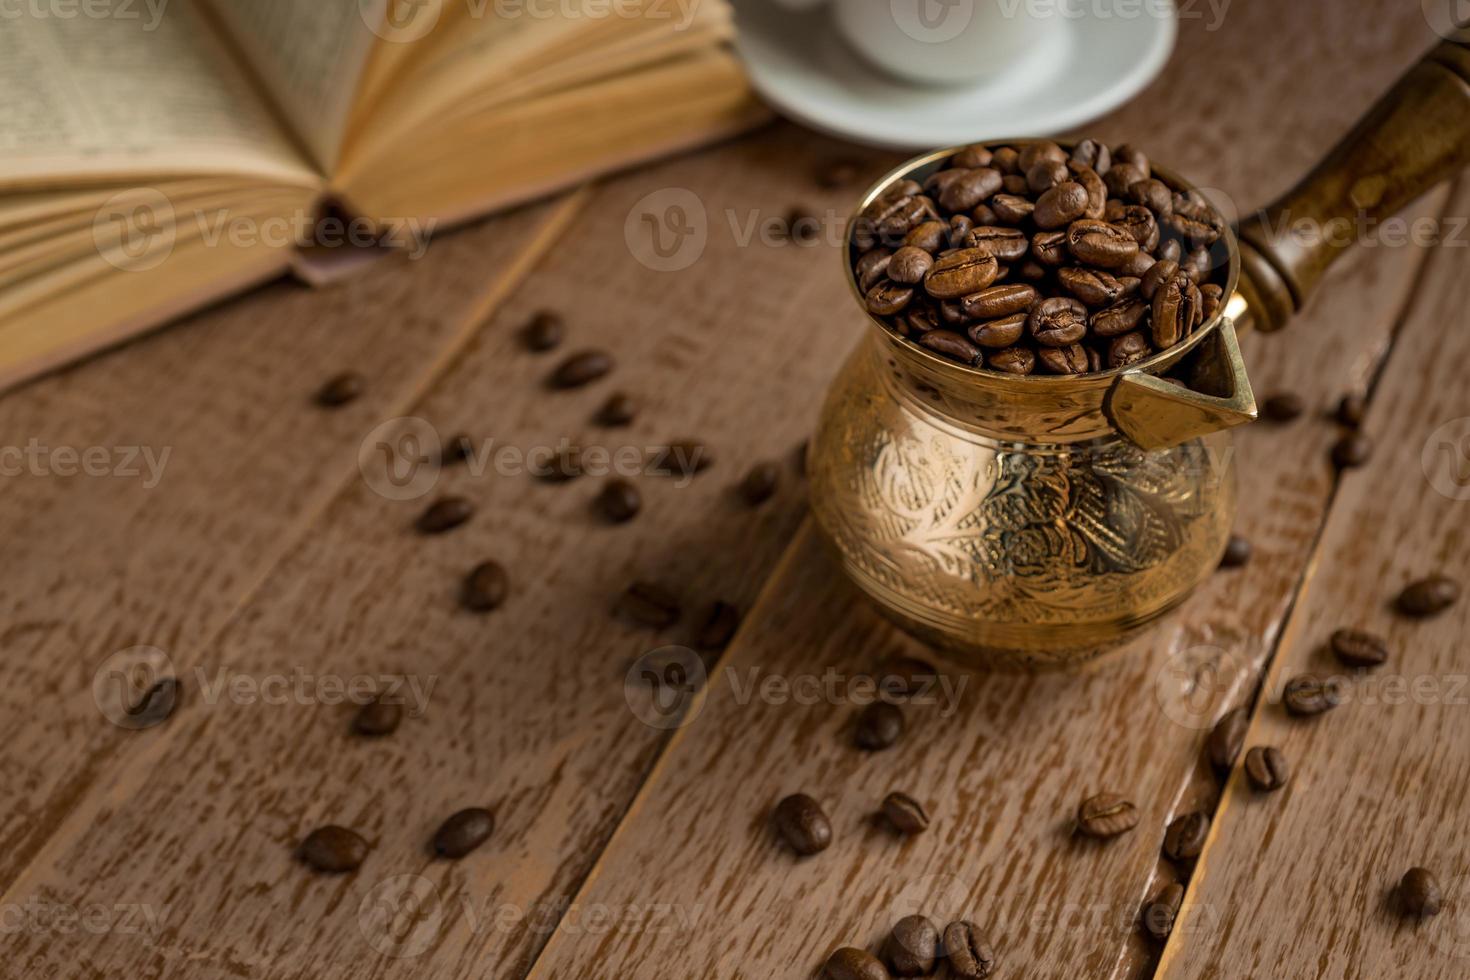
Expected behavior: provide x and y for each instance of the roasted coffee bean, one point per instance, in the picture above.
(444, 514)
(1136, 267)
(378, 717)
(1014, 184)
(156, 704)
(920, 320)
(1094, 359)
(909, 265)
(1429, 596)
(1237, 552)
(851, 963)
(1158, 274)
(1213, 296)
(1007, 160)
(1097, 191)
(1153, 194)
(1161, 912)
(1357, 648)
(872, 268)
(333, 849)
(648, 604)
(1350, 410)
(1012, 208)
(1197, 265)
(1140, 224)
(1050, 248)
(1120, 318)
(1013, 360)
(485, 587)
(1065, 360)
(759, 483)
(1419, 894)
(1031, 271)
(1035, 152)
(1106, 815)
(1185, 838)
(1130, 348)
(912, 947)
(340, 390)
(952, 346)
(976, 155)
(905, 813)
(544, 331)
(1046, 174)
(1122, 176)
(960, 273)
(719, 626)
(1307, 695)
(1000, 333)
(1351, 451)
(1091, 153)
(1092, 286)
(1100, 244)
(1284, 407)
(879, 726)
(1134, 157)
(1172, 251)
(931, 236)
(888, 298)
(998, 301)
(561, 466)
(581, 369)
(1058, 322)
(1193, 231)
(803, 227)
(803, 824)
(463, 832)
(619, 410)
(936, 182)
(1171, 312)
(972, 187)
(1226, 740)
(618, 501)
(1266, 768)
(970, 957)
(960, 226)
(1005, 244)
(457, 449)
(1060, 206)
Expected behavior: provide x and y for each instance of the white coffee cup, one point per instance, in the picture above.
(944, 42)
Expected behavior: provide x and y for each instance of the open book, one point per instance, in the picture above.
(174, 151)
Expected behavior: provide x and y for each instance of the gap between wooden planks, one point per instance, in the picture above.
(1300, 882)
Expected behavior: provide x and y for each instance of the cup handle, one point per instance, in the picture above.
(1417, 135)
(1157, 414)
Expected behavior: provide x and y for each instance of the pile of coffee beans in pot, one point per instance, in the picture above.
(1029, 259)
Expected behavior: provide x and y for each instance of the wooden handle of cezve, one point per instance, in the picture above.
(1416, 136)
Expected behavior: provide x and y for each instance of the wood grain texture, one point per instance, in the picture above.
(241, 461)
(1300, 882)
(527, 713)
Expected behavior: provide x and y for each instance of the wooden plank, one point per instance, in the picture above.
(1004, 772)
(1300, 882)
(161, 548)
(528, 712)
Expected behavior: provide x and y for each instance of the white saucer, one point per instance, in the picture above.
(1089, 65)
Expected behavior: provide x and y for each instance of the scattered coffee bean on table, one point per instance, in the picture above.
(649, 605)
(851, 963)
(1237, 552)
(912, 947)
(1429, 596)
(718, 627)
(458, 449)
(1350, 411)
(1358, 648)
(1032, 259)
(378, 717)
(1419, 894)
(619, 410)
(1185, 838)
(1306, 695)
(1162, 910)
(344, 388)
(1285, 407)
(444, 514)
(905, 813)
(544, 331)
(1226, 740)
(970, 957)
(1266, 768)
(463, 832)
(619, 501)
(156, 704)
(1106, 815)
(683, 458)
(485, 587)
(759, 483)
(581, 369)
(1351, 451)
(803, 824)
(879, 726)
(562, 466)
(333, 849)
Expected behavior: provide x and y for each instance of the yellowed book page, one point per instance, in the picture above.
(27, 217)
(89, 98)
(309, 55)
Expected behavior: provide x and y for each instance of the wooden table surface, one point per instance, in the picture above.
(265, 567)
